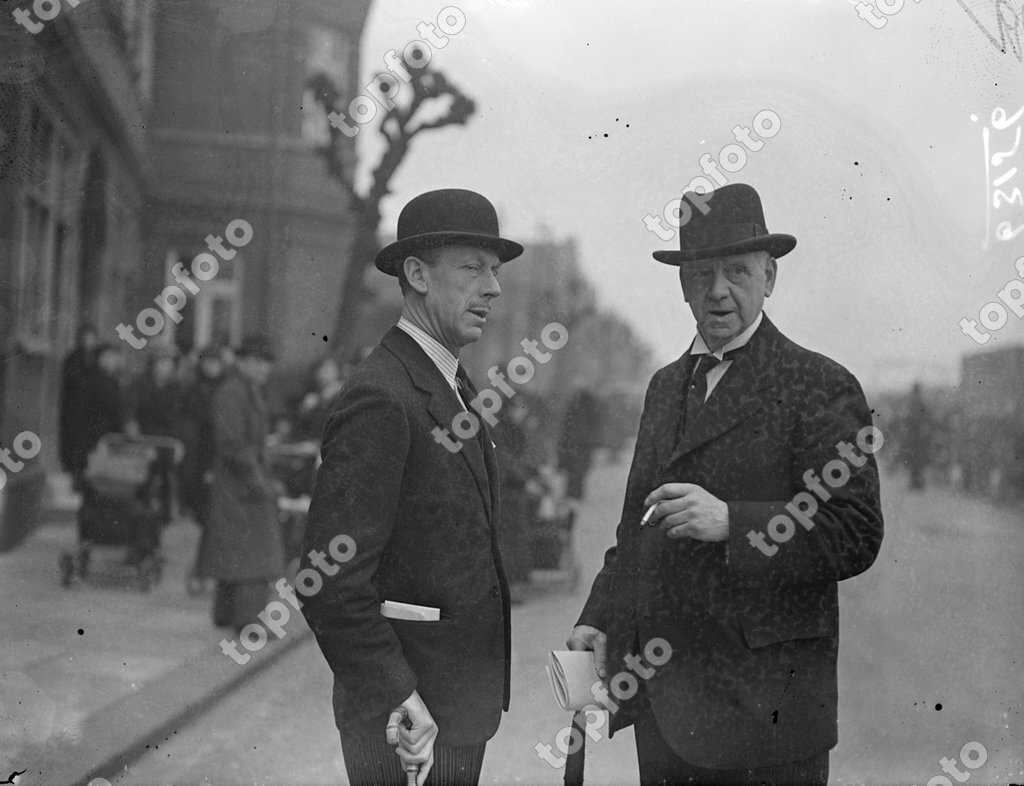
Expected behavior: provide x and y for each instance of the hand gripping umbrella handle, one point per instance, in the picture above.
(398, 716)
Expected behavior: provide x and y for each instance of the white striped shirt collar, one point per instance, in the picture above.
(445, 361)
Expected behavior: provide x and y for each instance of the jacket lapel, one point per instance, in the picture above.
(665, 433)
(736, 397)
(443, 406)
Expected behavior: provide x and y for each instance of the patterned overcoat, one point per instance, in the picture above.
(751, 680)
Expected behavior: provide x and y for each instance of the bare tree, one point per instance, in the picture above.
(425, 110)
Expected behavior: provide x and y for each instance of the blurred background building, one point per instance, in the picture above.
(129, 131)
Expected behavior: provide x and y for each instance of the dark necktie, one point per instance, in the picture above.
(697, 390)
(468, 392)
(464, 387)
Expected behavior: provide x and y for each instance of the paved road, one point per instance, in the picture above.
(937, 621)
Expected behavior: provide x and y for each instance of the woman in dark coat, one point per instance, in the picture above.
(197, 417)
(157, 396)
(242, 548)
(157, 407)
(102, 403)
(197, 468)
(579, 437)
(79, 365)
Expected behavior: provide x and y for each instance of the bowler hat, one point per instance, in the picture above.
(732, 224)
(446, 217)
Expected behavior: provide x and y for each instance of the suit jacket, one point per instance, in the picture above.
(751, 680)
(423, 521)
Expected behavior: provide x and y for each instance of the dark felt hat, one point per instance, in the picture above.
(734, 224)
(447, 217)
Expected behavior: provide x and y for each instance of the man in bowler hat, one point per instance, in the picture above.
(422, 516)
(735, 436)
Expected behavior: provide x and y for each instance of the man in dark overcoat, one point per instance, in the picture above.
(409, 475)
(242, 545)
(716, 623)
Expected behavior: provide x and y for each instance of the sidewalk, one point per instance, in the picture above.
(93, 675)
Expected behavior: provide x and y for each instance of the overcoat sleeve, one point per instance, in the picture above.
(358, 486)
(595, 610)
(846, 529)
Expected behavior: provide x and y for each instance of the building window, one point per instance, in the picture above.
(46, 303)
(328, 57)
(214, 313)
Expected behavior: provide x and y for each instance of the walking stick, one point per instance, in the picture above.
(575, 759)
(398, 716)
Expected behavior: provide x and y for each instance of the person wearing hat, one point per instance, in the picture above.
(422, 517)
(241, 547)
(741, 426)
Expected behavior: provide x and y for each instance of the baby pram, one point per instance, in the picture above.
(124, 504)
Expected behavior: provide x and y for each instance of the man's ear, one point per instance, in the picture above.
(771, 272)
(415, 273)
(681, 286)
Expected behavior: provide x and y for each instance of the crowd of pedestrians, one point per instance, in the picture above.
(240, 457)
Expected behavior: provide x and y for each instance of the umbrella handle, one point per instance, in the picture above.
(575, 760)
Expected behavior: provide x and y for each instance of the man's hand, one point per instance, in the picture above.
(586, 637)
(685, 510)
(416, 745)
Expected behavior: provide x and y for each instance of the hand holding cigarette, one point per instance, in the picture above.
(647, 516)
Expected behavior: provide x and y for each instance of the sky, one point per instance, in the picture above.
(591, 115)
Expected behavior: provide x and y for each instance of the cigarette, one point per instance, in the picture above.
(647, 516)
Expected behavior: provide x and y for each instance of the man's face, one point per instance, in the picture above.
(727, 293)
(457, 292)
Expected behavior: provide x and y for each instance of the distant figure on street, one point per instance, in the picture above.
(197, 467)
(918, 436)
(242, 548)
(517, 505)
(156, 395)
(578, 438)
(197, 416)
(75, 436)
(103, 410)
(421, 506)
(325, 383)
(157, 412)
